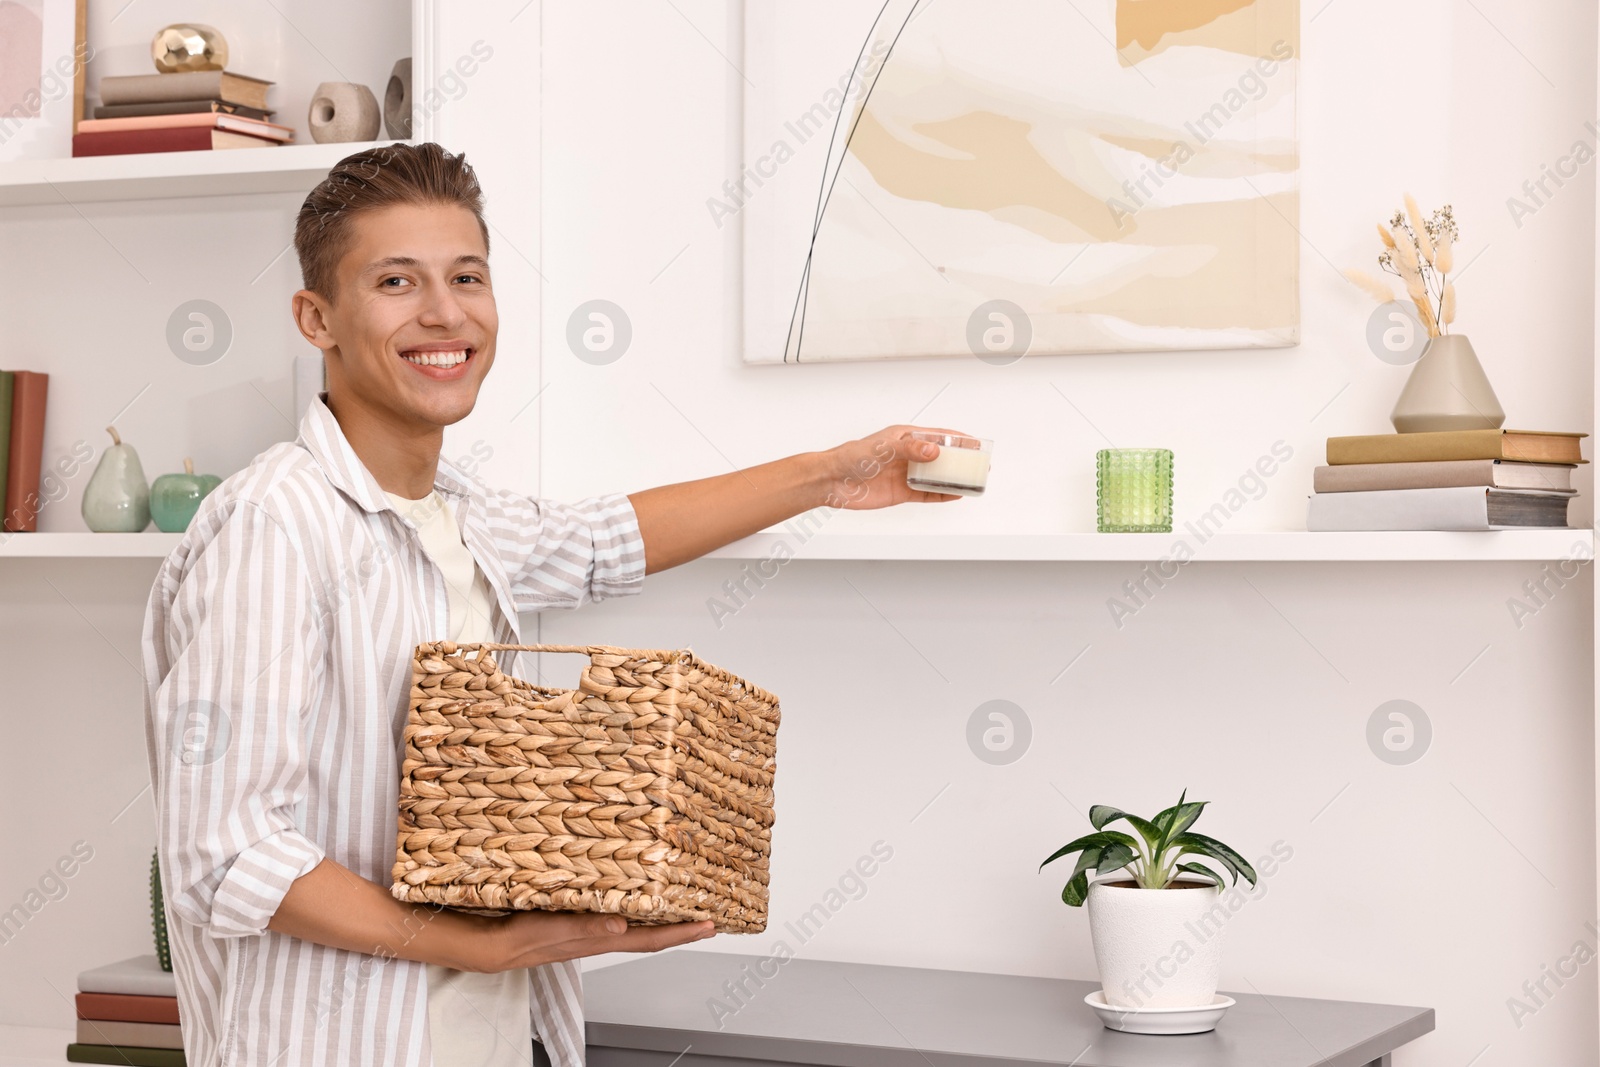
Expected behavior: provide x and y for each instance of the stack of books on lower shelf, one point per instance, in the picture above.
(1447, 480)
(179, 112)
(128, 1014)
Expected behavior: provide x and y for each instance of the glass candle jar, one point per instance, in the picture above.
(961, 467)
(1133, 490)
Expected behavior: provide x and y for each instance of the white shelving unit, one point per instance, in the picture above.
(1265, 546)
(283, 169)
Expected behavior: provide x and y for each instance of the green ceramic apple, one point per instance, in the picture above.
(174, 498)
(117, 498)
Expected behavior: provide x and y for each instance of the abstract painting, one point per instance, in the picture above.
(1007, 177)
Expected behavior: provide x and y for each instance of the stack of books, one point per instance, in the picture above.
(1450, 480)
(179, 112)
(128, 1014)
(22, 400)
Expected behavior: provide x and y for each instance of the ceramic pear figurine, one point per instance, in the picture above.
(117, 498)
(174, 498)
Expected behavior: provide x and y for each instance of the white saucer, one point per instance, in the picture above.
(1193, 1020)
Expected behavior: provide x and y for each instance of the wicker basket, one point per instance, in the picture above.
(646, 792)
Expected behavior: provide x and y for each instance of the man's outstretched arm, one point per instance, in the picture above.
(685, 520)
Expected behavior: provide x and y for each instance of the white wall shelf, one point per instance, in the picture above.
(1265, 546)
(164, 175)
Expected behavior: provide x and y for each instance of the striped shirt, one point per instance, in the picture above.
(277, 650)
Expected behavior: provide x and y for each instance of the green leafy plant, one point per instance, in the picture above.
(1155, 858)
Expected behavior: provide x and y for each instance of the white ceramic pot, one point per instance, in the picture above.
(1157, 948)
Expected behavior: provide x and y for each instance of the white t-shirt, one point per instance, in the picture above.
(476, 1019)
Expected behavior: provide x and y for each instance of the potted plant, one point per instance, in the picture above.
(1154, 915)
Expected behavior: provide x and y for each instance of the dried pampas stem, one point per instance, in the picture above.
(1447, 303)
(1405, 253)
(1445, 257)
(1420, 228)
(1429, 320)
(1374, 288)
(1388, 239)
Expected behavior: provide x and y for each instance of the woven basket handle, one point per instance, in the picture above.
(588, 650)
(585, 649)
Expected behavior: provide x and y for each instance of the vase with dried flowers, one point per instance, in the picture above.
(1448, 389)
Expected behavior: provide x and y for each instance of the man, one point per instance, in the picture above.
(278, 643)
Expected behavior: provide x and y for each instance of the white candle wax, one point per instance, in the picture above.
(961, 471)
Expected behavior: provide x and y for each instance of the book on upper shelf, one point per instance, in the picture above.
(126, 1007)
(125, 1055)
(136, 975)
(1439, 474)
(270, 131)
(1523, 446)
(185, 85)
(1467, 507)
(178, 107)
(183, 139)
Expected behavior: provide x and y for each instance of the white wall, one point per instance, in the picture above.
(1448, 882)
(1250, 685)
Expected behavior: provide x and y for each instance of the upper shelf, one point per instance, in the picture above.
(1275, 545)
(156, 175)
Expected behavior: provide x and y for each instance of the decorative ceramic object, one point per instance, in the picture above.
(1447, 390)
(174, 498)
(186, 46)
(343, 111)
(397, 101)
(117, 498)
(1133, 490)
(1136, 933)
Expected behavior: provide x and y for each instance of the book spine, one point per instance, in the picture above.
(138, 1035)
(1360, 477)
(159, 88)
(179, 107)
(125, 1055)
(127, 1008)
(7, 380)
(23, 467)
(1455, 508)
(125, 142)
(202, 119)
(1415, 447)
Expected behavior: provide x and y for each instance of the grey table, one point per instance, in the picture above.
(660, 1010)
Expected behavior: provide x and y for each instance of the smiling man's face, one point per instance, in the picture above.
(409, 330)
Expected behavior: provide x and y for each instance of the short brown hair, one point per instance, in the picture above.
(378, 177)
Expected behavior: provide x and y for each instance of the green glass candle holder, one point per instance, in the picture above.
(1133, 490)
